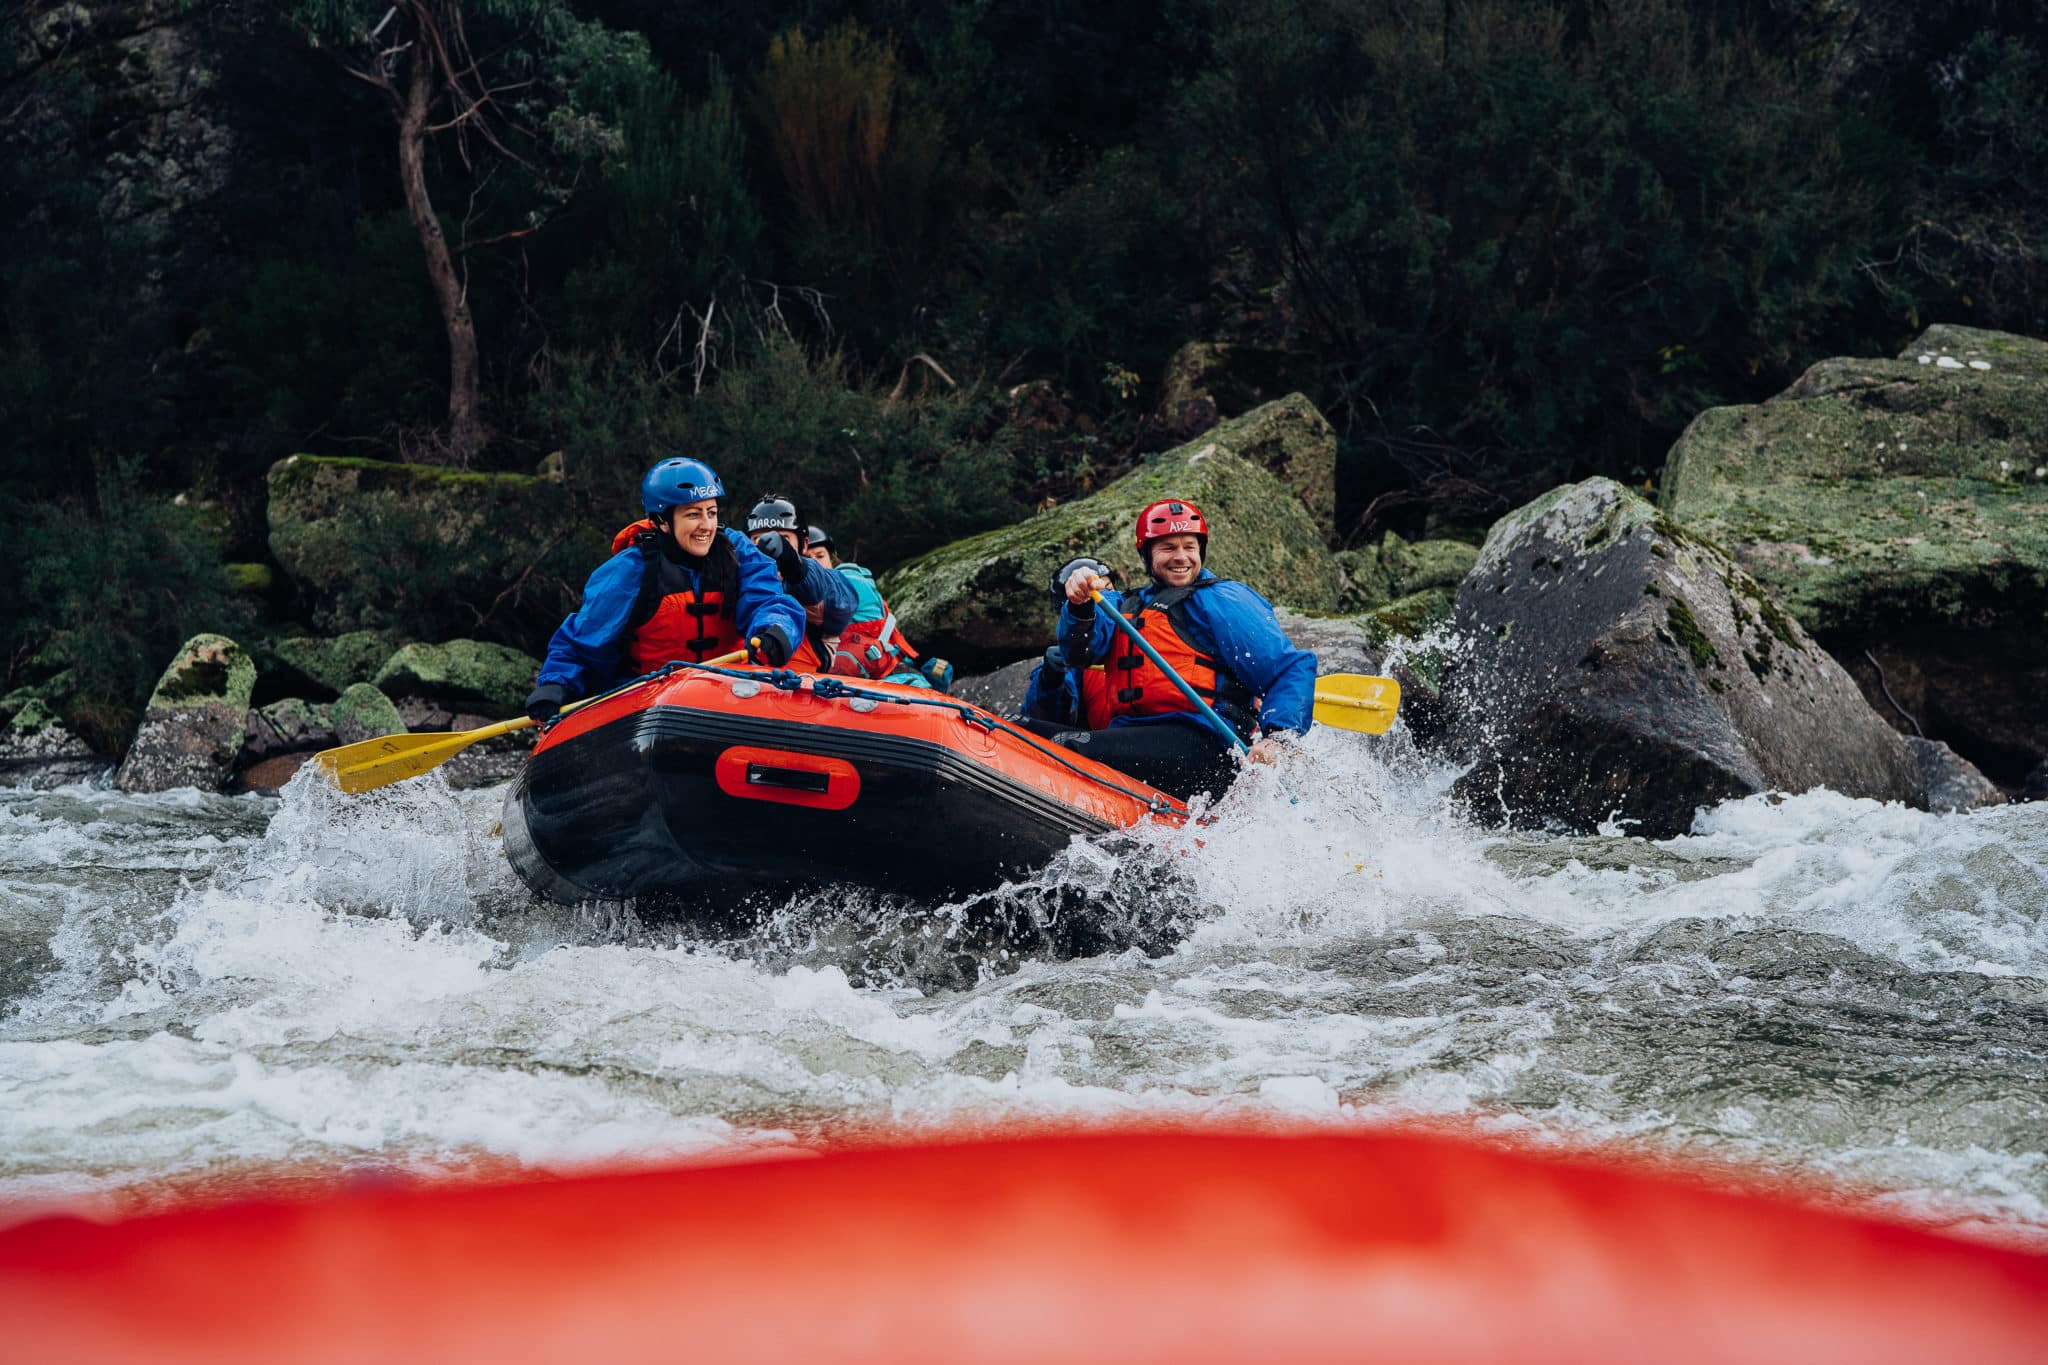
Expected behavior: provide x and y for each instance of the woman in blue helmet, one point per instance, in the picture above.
(677, 587)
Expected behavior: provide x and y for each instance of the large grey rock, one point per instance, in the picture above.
(1950, 782)
(1001, 691)
(472, 675)
(1341, 644)
(1899, 510)
(196, 720)
(1622, 667)
(36, 750)
(983, 601)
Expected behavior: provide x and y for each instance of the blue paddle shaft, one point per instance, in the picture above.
(1138, 639)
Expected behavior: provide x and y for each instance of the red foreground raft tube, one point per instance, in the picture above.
(1175, 1246)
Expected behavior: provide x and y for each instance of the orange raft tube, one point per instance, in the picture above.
(1185, 1247)
(756, 780)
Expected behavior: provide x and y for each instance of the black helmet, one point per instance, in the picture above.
(1070, 568)
(773, 512)
(815, 536)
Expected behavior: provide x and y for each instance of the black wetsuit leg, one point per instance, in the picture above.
(1178, 759)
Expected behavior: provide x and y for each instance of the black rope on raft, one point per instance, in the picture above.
(832, 689)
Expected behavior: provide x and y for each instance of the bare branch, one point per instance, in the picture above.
(703, 356)
(903, 379)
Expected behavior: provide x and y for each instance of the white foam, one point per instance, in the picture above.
(363, 981)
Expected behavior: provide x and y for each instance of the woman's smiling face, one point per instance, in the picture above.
(694, 525)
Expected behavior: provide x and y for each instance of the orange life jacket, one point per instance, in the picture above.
(663, 627)
(1135, 687)
(872, 649)
(1095, 706)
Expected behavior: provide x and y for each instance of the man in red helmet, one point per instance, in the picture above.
(1219, 636)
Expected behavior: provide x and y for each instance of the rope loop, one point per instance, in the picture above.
(831, 689)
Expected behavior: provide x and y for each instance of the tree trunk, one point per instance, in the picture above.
(465, 426)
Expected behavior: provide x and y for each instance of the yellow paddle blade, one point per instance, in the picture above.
(1357, 701)
(372, 763)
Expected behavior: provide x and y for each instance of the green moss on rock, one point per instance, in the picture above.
(362, 712)
(985, 598)
(207, 669)
(334, 662)
(1875, 490)
(473, 675)
(1687, 632)
(1396, 568)
(1411, 617)
(250, 580)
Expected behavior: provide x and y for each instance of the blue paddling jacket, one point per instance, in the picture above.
(587, 650)
(1225, 622)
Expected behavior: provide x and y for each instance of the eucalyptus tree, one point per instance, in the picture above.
(515, 87)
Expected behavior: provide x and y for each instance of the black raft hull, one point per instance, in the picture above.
(709, 787)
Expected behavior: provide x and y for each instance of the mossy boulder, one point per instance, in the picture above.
(1413, 616)
(377, 545)
(196, 720)
(362, 712)
(37, 751)
(1619, 666)
(473, 675)
(1396, 568)
(1899, 510)
(983, 601)
(329, 663)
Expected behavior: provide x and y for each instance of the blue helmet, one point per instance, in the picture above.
(676, 483)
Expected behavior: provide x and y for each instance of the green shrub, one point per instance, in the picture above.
(1078, 280)
(1547, 235)
(111, 595)
(891, 479)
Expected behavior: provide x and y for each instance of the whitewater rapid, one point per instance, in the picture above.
(197, 987)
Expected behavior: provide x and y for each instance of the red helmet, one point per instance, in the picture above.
(1171, 518)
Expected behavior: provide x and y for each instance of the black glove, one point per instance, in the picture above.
(791, 565)
(772, 647)
(545, 701)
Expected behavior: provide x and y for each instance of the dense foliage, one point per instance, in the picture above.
(1498, 241)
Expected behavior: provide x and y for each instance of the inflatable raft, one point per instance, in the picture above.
(1183, 1247)
(757, 780)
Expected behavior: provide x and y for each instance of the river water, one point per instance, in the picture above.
(197, 988)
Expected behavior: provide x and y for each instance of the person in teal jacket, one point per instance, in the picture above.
(874, 627)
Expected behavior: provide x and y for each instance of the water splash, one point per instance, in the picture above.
(1814, 983)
